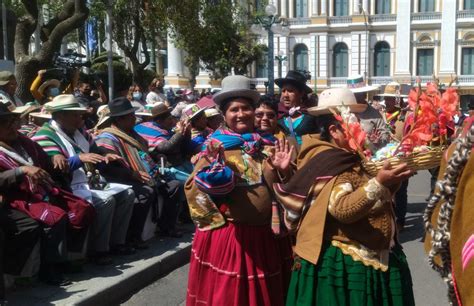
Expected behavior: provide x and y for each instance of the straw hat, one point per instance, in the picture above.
(211, 112)
(41, 114)
(104, 116)
(154, 110)
(356, 84)
(21, 110)
(334, 97)
(191, 111)
(392, 89)
(48, 83)
(236, 86)
(64, 103)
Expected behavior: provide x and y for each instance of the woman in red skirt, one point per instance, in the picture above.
(238, 256)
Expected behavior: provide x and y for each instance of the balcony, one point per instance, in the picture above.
(426, 16)
(340, 20)
(337, 82)
(380, 80)
(299, 21)
(383, 18)
(463, 79)
(468, 14)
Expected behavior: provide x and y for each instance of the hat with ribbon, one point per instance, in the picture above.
(357, 84)
(64, 103)
(295, 78)
(392, 89)
(154, 110)
(236, 86)
(21, 110)
(331, 98)
(121, 106)
(191, 111)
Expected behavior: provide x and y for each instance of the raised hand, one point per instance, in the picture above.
(281, 159)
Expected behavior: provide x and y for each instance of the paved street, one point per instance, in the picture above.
(428, 287)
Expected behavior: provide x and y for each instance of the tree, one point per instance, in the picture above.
(215, 34)
(70, 15)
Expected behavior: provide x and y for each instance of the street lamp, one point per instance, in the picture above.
(270, 24)
(281, 57)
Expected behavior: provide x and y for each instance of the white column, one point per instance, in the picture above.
(324, 7)
(356, 7)
(314, 7)
(323, 56)
(356, 54)
(448, 38)
(314, 55)
(365, 6)
(402, 66)
(284, 8)
(291, 8)
(175, 63)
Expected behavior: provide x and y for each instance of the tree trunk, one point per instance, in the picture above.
(26, 72)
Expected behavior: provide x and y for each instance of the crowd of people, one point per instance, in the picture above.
(285, 212)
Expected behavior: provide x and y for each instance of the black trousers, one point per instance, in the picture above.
(145, 197)
(173, 194)
(401, 202)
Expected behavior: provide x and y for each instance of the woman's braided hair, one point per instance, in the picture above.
(446, 191)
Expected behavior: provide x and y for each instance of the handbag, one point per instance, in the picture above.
(217, 179)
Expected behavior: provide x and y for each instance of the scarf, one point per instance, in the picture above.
(250, 143)
(309, 180)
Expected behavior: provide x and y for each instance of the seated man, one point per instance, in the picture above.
(63, 139)
(162, 140)
(138, 169)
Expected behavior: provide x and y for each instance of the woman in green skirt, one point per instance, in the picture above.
(347, 251)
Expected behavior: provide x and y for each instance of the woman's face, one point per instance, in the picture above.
(240, 116)
(265, 119)
(339, 138)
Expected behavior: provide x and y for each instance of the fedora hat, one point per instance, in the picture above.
(392, 89)
(295, 78)
(191, 111)
(5, 77)
(236, 86)
(155, 110)
(357, 84)
(64, 103)
(48, 83)
(211, 112)
(5, 111)
(121, 106)
(103, 112)
(21, 110)
(334, 97)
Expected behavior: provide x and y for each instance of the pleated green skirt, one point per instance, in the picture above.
(338, 280)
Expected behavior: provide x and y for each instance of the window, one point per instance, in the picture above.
(469, 4)
(301, 8)
(301, 57)
(424, 60)
(340, 60)
(262, 66)
(382, 6)
(341, 7)
(467, 57)
(382, 59)
(426, 6)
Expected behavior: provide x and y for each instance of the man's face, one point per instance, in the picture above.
(390, 104)
(11, 86)
(85, 89)
(8, 128)
(291, 96)
(168, 122)
(361, 97)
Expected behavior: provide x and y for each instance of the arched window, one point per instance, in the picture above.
(469, 4)
(467, 58)
(341, 7)
(382, 7)
(301, 57)
(340, 60)
(262, 66)
(382, 59)
(301, 8)
(424, 62)
(426, 5)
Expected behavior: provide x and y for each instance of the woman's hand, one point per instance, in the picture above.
(37, 175)
(391, 177)
(281, 159)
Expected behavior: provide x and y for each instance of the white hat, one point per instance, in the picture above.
(334, 97)
(356, 84)
(392, 89)
(191, 110)
(22, 110)
(104, 115)
(64, 103)
(236, 86)
(211, 112)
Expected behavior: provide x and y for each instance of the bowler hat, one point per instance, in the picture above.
(295, 78)
(120, 107)
(236, 86)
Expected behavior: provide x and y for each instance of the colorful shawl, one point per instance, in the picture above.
(309, 180)
(250, 143)
(134, 150)
(153, 134)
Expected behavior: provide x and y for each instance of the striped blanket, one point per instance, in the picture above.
(153, 134)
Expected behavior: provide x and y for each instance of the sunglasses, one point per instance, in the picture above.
(270, 115)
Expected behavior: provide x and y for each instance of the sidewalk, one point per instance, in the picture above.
(108, 285)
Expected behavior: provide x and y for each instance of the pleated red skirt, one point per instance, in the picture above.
(239, 265)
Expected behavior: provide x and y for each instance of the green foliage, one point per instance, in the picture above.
(122, 76)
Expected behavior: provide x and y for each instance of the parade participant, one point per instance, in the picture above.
(35, 122)
(137, 168)
(70, 148)
(166, 138)
(293, 93)
(266, 121)
(8, 87)
(395, 113)
(214, 118)
(196, 117)
(235, 258)
(346, 247)
(371, 120)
